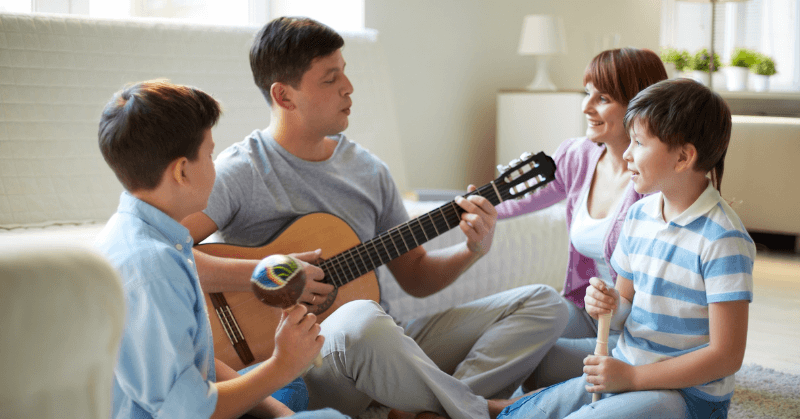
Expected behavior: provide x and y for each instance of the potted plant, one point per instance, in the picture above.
(699, 63)
(762, 69)
(674, 60)
(736, 72)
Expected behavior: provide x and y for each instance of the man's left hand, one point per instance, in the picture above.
(477, 222)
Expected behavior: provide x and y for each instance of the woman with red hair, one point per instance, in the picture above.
(593, 178)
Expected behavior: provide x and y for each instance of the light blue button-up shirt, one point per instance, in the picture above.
(166, 358)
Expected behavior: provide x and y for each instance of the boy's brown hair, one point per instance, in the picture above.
(148, 125)
(684, 111)
(284, 49)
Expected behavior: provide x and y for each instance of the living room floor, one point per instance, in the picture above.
(773, 338)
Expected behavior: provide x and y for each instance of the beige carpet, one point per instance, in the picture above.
(764, 393)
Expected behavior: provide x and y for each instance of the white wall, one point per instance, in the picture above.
(448, 58)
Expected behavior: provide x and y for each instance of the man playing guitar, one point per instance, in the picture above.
(449, 363)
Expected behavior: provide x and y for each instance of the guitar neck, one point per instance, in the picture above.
(368, 256)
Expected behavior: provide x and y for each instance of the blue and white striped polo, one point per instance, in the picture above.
(678, 268)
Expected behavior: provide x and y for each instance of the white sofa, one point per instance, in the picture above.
(57, 72)
(761, 173)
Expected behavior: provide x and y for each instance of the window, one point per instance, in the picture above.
(341, 14)
(771, 27)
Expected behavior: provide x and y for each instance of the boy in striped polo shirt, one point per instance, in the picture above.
(684, 264)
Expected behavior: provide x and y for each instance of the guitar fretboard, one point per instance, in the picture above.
(525, 175)
(370, 255)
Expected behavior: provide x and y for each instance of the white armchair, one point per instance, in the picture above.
(61, 316)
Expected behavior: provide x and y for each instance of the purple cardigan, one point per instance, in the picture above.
(576, 160)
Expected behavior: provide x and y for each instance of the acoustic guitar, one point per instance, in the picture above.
(244, 327)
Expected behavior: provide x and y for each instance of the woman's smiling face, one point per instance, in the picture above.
(604, 117)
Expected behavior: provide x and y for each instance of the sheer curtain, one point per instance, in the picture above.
(771, 27)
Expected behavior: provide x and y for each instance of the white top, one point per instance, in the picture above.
(587, 233)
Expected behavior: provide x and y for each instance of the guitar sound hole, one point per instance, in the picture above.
(321, 308)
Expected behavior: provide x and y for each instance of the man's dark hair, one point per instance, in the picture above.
(284, 49)
(684, 111)
(148, 125)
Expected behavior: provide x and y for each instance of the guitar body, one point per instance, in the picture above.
(244, 327)
(258, 321)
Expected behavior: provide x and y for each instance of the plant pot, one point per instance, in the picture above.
(759, 82)
(718, 79)
(700, 77)
(736, 78)
(671, 71)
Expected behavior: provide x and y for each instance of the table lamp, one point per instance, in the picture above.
(542, 36)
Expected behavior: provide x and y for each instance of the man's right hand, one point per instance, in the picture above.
(315, 292)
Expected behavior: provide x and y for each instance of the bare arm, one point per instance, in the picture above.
(219, 274)
(267, 408)
(422, 273)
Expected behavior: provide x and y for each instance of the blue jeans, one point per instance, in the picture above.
(320, 414)
(570, 399)
(294, 395)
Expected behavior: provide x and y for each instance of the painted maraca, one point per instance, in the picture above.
(278, 281)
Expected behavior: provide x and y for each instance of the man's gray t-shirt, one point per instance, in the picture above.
(261, 188)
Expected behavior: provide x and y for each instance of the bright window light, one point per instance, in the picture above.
(15, 6)
(343, 15)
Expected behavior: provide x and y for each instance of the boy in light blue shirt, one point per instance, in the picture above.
(156, 137)
(684, 264)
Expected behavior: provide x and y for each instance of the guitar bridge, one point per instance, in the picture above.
(231, 327)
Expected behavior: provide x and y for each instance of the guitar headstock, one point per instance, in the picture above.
(524, 175)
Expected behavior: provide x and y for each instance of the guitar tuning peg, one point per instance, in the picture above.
(514, 162)
(501, 168)
(526, 155)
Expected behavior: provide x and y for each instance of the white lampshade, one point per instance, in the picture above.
(714, 1)
(542, 35)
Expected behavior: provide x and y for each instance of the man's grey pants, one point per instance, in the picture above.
(447, 363)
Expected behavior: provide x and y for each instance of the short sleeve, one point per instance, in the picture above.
(232, 187)
(394, 212)
(727, 267)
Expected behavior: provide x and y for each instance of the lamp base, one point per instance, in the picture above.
(542, 80)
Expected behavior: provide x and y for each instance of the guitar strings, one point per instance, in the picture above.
(351, 264)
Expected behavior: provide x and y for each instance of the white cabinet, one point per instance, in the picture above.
(536, 121)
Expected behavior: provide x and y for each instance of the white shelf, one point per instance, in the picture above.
(536, 121)
(785, 104)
